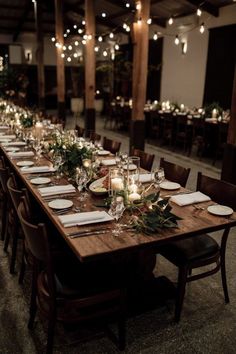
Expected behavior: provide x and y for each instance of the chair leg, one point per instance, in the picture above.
(224, 279)
(14, 249)
(51, 329)
(7, 234)
(4, 215)
(33, 304)
(182, 279)
(22, 266)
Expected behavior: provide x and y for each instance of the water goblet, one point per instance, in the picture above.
(159, 177)
(57, 160)
(81, 179)
(116, 210)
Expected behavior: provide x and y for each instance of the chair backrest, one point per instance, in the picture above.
(175, 173)
(4, 175)
(219, 191)
(146, 160)
(93, 136)
(37, 243)
(15, 193)
(80, 130)
(111, 145)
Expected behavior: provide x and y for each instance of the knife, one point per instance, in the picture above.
(88, 233)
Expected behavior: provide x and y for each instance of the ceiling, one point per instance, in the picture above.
(17, 16)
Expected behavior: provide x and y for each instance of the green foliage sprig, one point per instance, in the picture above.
(27, 121)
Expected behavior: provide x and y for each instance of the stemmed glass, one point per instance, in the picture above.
(81, 179)
(159, 177)
(57, 161)
(38, 149)
(116, 210)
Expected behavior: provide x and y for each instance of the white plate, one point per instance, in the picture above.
(131, 167)
(60, 204)
(103, 152)
(220, 210)
(40, 180)
(98, 184)
(25, 163)
(12, 148)
(171, 186)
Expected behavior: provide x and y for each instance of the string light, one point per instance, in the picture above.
(70, 47)
(75, 26)
(90, 37)
(80, 31)
(84, 41)
(138, 22)
(65, 35)
(117, 47)
(138, 6)
(64, 47)
(75, 55)
(171, 21)
(155, 36)
(127, 4)
(105, 53)
(62, 55)
(96, 49)
(100, 39)
(199, 12)
(69, 59)
(76, 43)
(68, 31)
(125, 25)
(104, 14)
(53, 39)
(127, 29)
(202, 28)
(149, 21)
(111, 35)
(177, 39)
(83, 23)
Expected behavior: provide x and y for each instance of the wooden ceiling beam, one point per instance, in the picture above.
(206, 6)
(21, 21)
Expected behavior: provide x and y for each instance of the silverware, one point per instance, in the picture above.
(75, 233)
(98, 232)
(55, 196)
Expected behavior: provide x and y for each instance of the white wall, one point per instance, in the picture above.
(183, 76)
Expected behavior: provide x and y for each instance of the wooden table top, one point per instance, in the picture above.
(95, 246)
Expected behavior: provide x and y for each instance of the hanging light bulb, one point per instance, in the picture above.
(127, 29)
(69, 59)
(104, 14)
(65, 35)
(70, 47)
(199, 12)
(53, 39)
(177, 39)
(170, 21)
(80, 31)
(127, 4)
(202, 28)
(62, 55)
(117, 47)
(75, 55)
(111, 35)
(83, 22)
(124, 25)
(76, 43)
(149, 21)
(64, 47)
(85, 36)
(84, 41)
(105, 53)
(96, 49)
(90, 37)
(100, 39)
(155, 36)
(75, 26)
(138, 6)
(68, 31)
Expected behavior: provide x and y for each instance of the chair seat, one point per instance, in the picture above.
(190, 250)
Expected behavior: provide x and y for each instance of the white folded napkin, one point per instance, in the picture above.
(82, 218)
(8, 137)
(37, 169)
(14, 143)
(103, 152)
(144, 177)
(3, 127)
(54, 190)
(21, 154)
(108, 162)
(191, 198)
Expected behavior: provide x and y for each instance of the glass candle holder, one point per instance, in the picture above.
(116, 181)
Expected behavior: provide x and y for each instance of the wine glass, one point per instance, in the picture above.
(159, 177)
(116, 210)
(57, 161)
(81, 179)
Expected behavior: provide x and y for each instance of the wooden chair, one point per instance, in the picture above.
(111, 145)
(146, 160)
(93, 136)
(68, 291)
(4, 175)
(183, 132)
(80, 130)
(175, 173)
(201, 250)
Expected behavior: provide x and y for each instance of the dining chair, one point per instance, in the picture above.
(93, 136)
(80, 130)
(146, 160)
(201, 250)
(183, 132)
(4, 175)
(68, 291)
(111, 145)
(174, 172)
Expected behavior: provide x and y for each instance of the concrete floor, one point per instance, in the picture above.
(207, 325)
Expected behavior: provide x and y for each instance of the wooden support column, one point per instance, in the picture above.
(60, 61)
(140, 65)
(229, 160)
(40, 54)
(89, 67)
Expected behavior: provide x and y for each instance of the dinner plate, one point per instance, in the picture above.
(97, 188)
(103, 152)
(131, 167)
(171, 186)
(220, 210)
(40, 180)
(25, 163)
(12, 148)
(60, 204)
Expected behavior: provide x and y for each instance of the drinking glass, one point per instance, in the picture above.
(116, 211)
(81, 179)
(57, 161)
(159, 177)
(38, 149)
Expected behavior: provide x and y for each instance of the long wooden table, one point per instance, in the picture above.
(92, 247)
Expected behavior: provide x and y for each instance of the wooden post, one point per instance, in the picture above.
(60, 61)
(228, 172)
(140, 64)
(40, 54)
(89, 66)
